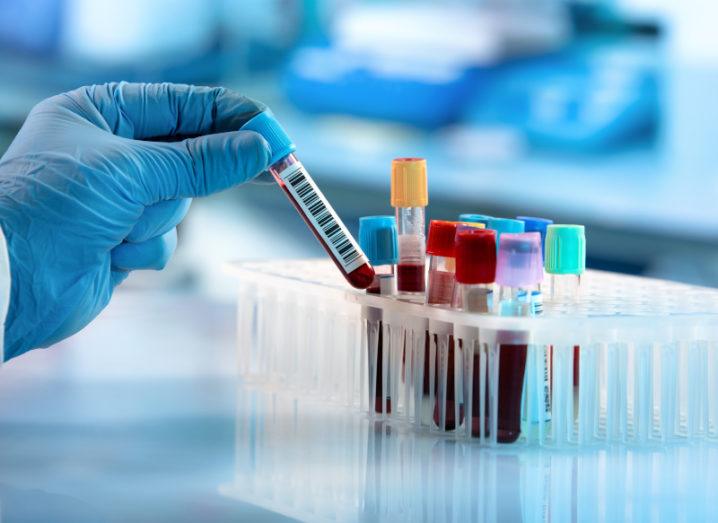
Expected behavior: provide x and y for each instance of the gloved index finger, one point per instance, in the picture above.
(145, 111)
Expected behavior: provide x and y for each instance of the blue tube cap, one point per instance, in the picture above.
(475, 218)
(379, 240)
(266, 124)
(539, 225)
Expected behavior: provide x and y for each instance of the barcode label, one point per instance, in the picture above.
(323, 217)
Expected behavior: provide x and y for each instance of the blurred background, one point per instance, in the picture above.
(599, 112)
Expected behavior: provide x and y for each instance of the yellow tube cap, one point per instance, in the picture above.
(408, 183)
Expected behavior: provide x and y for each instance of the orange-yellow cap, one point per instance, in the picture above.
(408, 183)
(471, 225)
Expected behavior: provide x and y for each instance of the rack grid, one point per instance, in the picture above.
(634, 361)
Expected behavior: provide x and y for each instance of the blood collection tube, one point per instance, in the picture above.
(311, 204)
(565, 263)
(519, 270)
(378, 239)
(410, 196)
(442, 266)
(475, 252)
(442, 263)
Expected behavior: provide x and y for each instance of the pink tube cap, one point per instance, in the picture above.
(519, 262)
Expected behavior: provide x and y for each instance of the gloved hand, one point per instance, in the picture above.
(92, 187)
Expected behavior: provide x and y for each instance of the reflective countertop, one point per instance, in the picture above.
(140, 418)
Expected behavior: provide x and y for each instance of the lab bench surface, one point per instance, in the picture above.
(140, 418)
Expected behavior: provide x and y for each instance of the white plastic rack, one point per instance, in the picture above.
(634, 361)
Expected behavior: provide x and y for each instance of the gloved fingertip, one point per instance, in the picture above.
(253, 153)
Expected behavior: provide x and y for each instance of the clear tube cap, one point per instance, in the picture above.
(378, 239)
(519, 262)
(565, 249)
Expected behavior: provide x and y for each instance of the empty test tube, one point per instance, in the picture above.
(311, 203)
(509, 225)
(519, 270)
(410, 196)
(565, 263)
(378, 238)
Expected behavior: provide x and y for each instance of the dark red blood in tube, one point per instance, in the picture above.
(450, 404)
(410, 277)
(512, 366)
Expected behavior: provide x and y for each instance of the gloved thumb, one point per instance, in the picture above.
(204, 165)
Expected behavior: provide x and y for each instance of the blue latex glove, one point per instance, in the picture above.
(86, 196)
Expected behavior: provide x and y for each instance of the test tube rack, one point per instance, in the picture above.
(646, 349)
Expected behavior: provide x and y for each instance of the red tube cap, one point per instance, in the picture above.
(441, 238)
(475, 256)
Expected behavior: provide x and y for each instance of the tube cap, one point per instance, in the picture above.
(504, 225)
(408, 183)
(475, 256)
(519, 261)
(441, 238)
(565, 249)
(266, 124)
(539, 225)
(378, 239)
(474, 218)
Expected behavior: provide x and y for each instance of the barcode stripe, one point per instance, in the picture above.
(311, 200)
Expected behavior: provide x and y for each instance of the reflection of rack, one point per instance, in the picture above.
(647, 365)
(314, 462)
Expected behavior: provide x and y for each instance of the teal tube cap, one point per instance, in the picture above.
(378, 239)
(267, 125)
(565, 249)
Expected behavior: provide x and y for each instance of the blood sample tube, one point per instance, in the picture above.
(440, 248)
(442, 263)
(311, 204)
(409, 196)
(378, 239)
(565, 263)
(475, 252)
(475, 269)
(519, 270)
